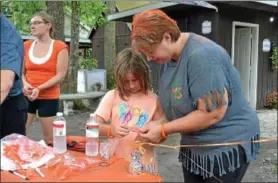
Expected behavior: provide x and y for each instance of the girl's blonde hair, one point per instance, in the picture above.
(127, 61)
(47, 19)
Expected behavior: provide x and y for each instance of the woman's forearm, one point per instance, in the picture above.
(24, 79)
(199, 119)
(52, 82)
(195, 121)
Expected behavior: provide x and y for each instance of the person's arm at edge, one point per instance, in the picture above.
(7, 80)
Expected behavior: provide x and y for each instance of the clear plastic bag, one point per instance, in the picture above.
(137, 166)
(66, 165)
(23, 153)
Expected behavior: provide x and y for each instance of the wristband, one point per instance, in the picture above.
(162, 132)
(108, 132)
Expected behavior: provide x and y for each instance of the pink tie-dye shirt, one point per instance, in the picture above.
(137, 111)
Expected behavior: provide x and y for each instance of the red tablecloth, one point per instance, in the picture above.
(117, 171)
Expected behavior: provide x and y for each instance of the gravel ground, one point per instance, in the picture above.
(264, 169)
(268, 123)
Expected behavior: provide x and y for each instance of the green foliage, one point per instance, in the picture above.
(93, 13)
(79, 105)
(88, 64)
(274, 58)
(111, 84)
(20, 12)
(89, 53)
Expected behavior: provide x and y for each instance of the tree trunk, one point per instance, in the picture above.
(110, 39)
(74, 46)
(56, 9)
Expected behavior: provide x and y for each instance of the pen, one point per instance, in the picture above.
(19, 175)
(39, 172)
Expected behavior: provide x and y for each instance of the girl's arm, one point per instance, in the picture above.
(104, 114)
(109, 130)
(103, 126)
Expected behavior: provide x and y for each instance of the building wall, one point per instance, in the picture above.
(122, 41)
(267, 80)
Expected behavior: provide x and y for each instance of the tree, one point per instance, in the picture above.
(56, 9)
(91, 13)
(74, 46)
(110, 39)
(21, 13)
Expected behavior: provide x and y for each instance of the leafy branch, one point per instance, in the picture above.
(93, 14)
(20, 13)
(273, 57)
(88, 64)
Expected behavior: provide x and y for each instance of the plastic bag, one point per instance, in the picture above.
(19, 152)
(137, 166)
(67, 165)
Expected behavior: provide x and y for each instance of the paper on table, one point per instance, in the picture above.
(7, 164)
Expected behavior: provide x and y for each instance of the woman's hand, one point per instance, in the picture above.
(151, 133)
(119, 131)
(34, 95)
(27, 89)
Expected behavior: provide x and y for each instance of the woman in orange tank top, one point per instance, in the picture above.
(45, 66)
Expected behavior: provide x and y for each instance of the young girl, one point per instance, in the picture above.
(130, 106)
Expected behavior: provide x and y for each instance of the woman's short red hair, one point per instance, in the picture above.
(148, 27)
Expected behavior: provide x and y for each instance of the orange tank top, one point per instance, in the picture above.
(40, 70)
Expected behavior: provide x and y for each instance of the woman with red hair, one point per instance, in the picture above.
(201, 95)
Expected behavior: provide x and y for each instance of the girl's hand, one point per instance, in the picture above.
(119, 131)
